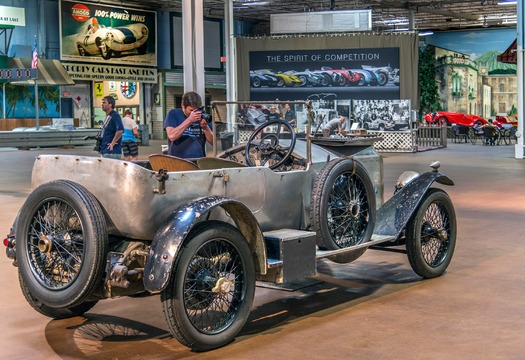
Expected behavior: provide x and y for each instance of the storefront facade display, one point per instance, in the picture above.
(105, 50)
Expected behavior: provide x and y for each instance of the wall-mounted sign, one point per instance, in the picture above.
(110, 73)
(12, 16)
(128, 89)
(18, 74)
(107, 34)
(99, 89)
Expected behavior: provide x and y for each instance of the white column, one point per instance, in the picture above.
(193, 46)
(520, 73)
(231, 66)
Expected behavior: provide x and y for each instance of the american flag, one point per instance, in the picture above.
(34, 61)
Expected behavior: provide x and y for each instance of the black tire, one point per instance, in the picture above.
(382, 78)
(256, 82)
(81, 50)
(280, 82)
(201, 315)
(431, 235)
(326, 80)
(304, 80)
(443, 121)
(55, 313)
(105, 52)
(142, 49)
(343, 207)
(61, 244)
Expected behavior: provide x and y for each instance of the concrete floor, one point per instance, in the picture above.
(373, 308)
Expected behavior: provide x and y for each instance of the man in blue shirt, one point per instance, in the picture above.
(187, 131)
(111, 130)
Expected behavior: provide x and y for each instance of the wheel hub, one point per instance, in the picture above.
(222, 286)
(45, 244)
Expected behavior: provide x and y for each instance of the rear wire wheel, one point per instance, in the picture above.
(343, 207)
(61, 244)
(431, 235)
(55, 313)
(211, 287)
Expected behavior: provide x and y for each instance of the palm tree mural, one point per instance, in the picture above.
(24, 96)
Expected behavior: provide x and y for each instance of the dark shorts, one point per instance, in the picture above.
(130, 148)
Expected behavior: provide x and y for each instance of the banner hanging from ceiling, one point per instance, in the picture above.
(107, 34)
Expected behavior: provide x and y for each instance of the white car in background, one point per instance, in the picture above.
(111, 42)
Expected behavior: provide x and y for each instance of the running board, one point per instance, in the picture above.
(292, 254)
(376, 239)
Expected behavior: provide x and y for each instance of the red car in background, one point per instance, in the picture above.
(449, 118)
(505, 121)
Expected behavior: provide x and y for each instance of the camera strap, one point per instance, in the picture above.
(103, 127)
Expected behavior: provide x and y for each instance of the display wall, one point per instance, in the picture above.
(251, 53)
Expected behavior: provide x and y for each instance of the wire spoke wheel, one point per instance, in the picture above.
(343, 205)
(210, 293)
(61, 244)
(56, 244)
(347, 210)
(431, 235)
(213, 286)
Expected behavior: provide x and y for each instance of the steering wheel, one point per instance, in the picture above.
(268, 144)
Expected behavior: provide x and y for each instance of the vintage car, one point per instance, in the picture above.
(201, 232)
(109, 42)
(309, 78)
(329, 77)
(258, 80)
(384, 74)
(449, 118)
(283, 79)
(348, 77)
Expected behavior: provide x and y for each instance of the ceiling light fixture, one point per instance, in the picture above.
(426, 33)
(511, 2)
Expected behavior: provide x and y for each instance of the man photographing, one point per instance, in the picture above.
(187, 129)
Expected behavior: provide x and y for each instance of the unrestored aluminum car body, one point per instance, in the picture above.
(265, 209)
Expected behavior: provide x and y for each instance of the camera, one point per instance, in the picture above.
(204, 114)
(98, 144)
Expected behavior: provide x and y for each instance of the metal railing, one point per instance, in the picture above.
(51, 138)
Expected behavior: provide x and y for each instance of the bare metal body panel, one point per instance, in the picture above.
(126, 191)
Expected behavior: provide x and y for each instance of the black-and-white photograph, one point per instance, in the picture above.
(383, 115)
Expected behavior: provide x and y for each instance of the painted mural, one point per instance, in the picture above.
(471, 79)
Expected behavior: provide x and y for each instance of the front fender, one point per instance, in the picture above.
(394, 215)
(171, 235)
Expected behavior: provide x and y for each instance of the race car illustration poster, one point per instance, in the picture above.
(107, 34)
(367, 74)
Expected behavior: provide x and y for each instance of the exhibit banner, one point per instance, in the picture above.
(366, 74)
(107, 34)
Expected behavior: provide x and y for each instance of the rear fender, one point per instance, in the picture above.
(394, 215)
(174, 231)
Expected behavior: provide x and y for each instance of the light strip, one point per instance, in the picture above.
(513, 2)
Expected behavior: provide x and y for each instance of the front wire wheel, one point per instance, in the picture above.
(431, 235)
(211, 288)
